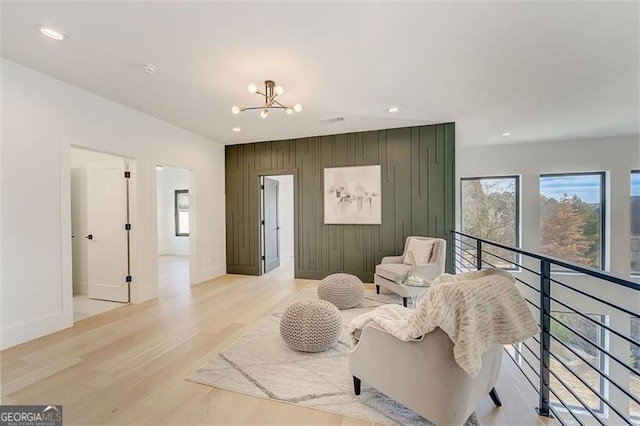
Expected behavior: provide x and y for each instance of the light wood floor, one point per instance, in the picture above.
(128, 366)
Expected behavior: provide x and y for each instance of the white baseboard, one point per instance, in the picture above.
(212, 273)
(173, 251)
(29, 330)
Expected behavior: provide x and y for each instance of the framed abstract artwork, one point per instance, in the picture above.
(352, 195)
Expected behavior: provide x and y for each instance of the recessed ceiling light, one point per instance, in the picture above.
(506, 134)
(237, 129)
(393, 109)
(51, 33)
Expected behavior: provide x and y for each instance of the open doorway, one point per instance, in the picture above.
(99, 239)
(174, 228)
(277, 223)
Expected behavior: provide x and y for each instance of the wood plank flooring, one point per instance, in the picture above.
(128, 366)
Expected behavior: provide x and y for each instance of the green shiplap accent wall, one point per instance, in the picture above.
(418, 185)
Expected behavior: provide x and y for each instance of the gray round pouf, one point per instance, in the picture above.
(343, 290)
(311, 325)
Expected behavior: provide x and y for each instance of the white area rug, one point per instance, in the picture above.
(260, 364)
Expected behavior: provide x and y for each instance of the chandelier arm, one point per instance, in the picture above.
(262, 107)
(278, 103)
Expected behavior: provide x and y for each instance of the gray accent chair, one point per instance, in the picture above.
(425, 377)
(392, 270)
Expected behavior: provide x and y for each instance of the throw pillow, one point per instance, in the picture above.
(421, 251)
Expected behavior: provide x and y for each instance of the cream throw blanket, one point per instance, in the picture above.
(477, 310)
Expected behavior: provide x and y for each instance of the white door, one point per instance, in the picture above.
(107, 215)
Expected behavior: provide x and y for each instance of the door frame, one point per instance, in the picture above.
(258, 252)
(135, 251)
(263, 222)
(193, 199)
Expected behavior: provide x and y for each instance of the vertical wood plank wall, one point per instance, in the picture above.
(418, 185)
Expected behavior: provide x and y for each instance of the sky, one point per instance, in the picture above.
(587, 187)
(584, 186)
(635, 183)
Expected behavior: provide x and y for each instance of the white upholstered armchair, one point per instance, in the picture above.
(425, 377)
(446, 353)
(429, 255)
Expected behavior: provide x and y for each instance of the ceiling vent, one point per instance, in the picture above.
(332, 120)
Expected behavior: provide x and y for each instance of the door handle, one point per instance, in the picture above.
(89, 237)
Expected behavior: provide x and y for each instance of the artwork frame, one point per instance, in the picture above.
(353, 195)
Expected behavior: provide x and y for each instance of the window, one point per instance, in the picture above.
(635, 222)
(490, 209)
(634, 407)
(516, 352)
(572, 217)
(182, 212)
(566, 330)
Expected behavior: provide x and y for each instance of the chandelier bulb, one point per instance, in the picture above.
(252, 88)
(279, 90)
(288, 110)
(264, 113)
(235, 109)
(297, 107)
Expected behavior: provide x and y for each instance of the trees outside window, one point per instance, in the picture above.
(568, 328)
(572, 217)
(490, 210)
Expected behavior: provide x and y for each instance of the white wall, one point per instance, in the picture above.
(285, 215)
(41, 119)
(79, 246)
(169, 180)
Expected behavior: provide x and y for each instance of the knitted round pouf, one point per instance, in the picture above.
(343, 290)
(311, 325)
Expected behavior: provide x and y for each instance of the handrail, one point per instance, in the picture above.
(470, 253)
(565, 264)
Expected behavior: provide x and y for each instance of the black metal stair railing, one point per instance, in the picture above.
(585, 373)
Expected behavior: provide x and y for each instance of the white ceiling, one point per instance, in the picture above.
(544, 71)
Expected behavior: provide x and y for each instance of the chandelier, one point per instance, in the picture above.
(271, 92)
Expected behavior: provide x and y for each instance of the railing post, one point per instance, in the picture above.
(545, 337)
(478, 254)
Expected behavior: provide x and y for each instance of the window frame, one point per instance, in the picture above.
(633, 273)
(177, 211)
(603, 214)
(518, 231)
